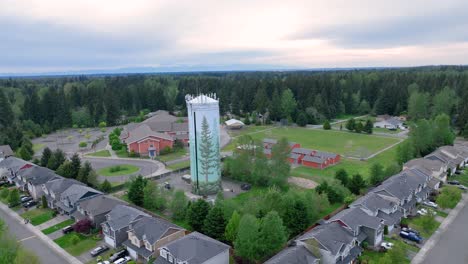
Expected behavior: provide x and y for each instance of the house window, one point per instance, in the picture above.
(151, 146)
(170, 258)
(163, 253)
(148, 246)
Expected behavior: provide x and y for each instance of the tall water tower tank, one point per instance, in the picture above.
(205, 169)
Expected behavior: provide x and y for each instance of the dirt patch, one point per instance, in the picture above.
(302, 182)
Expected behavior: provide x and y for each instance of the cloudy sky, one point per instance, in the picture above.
(68, 35)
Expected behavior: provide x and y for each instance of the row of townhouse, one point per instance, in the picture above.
(338, 240)
(123, 226)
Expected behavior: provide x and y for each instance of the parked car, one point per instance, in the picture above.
(453, 182)
(411, 236)
(29, 204)
(3, 183)
(67, 229)
(117, 255)
(245, 186)
(430, 204)
(386, 245)
(167, 185)
(99, 250)
(104, 262)
(123, 260)
(26, 199)
(462, 187)
(410, 230)
(458, 172)
(422, 212)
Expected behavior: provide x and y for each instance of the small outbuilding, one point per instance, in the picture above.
(234, 124)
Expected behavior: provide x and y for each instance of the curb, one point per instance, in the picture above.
(420, 257)
(71, 259)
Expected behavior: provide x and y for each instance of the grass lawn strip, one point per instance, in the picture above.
(38, 216)
(179, 165)
(415, 223)
(101, 153)
(374, 257)
(173, 156)
(58, 226)
(83, 244)
(118, 170)
(37, 147)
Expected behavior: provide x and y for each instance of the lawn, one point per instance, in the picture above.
(38, 216)
(81, 245)
(385, 130)
(352, 166)
(101, 153)
(341, 142)
(37, 147)
(173, 156)
(179, 165)
(118, 170)
(374, 257)
(416, 223)
(58, 226)
(462, 178)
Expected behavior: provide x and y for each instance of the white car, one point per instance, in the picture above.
(387, 245)
(430, 204)
(123, 260)
(104, 262)
(422, 211)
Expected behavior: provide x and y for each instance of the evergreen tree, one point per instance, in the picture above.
(92, 179)
(356, 184)
(272, 235)
(326, 125)
(295, 218)
(215, 224)
(261, 100)
(7, 116)
(288, 103)
(24, 153)
(178, 205)
(106, 186)
(280, 167)
(46, 154)
(376, 174)
(232, 227)
(84, 172)
(246, 243)
(14, 197)
(135, 191)
(368, 127)
(154, 197)
(197, 213)
(301, 119)
(275, 106)
(358, 127)
(65, 170)
(57, 158)
(44, 202)
(76, 165)
(342, 176)
(418, 105)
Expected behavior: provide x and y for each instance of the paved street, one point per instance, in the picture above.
(30, 241)
(452, 246)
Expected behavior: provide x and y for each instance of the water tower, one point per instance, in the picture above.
(205, 168)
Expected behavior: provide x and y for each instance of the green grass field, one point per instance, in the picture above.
(173, 156)
(341, 142)
(58, 226)
(101, 153)
(38, 216)
(38, 147)
(118, 170)
(179, 165)
(83, 243)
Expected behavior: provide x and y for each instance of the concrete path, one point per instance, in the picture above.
(44, 247)
(422, 256)
(378, 152)
(52, 222)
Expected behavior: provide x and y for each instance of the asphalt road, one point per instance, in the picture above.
(146, 167)
(452, 246)
(30, 242)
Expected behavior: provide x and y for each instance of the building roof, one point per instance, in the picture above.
(76, 192)
(57, 186)
(297, 254)
(5, 151)
(195, 248)
(161, 116)
(331, 236)
(373, 202)
(270, 141)
(152, 229)
(356, 217)
(141, 251)
(390, 219)
(202, 99)
(13, 163)
(39, 175)
(100, 204)
(122, 216)
(314, 159)
(294, 156)
(302, 151)
(144, 131)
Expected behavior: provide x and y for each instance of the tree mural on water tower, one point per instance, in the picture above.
(206, 150)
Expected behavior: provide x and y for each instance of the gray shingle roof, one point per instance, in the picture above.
(390, 219)
(99, 204)
(315, 159)
(432, 165)
(356, 217)
(270, 141)
(298, 254)
(303, 151)
(39, 175)
(195, 248)
(57, 186)
(76, 192)
(122, 215)
(152, 229)
(144, 131)
(5, 151)
(13, 163)
(332, 236)
(373, 202)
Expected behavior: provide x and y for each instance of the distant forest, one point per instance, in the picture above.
(32, 106)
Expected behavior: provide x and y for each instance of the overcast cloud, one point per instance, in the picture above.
(57, 35)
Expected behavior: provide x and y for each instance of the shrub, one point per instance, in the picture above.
(83, 226)
(326, 125)
(165, 150)
(74, 239)
(385, 230)
(4, 193)
(365, 244)
(83, 144)
(102, 124)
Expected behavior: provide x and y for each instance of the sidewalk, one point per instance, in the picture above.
(52, 222)
(41, 236)
(420, 257)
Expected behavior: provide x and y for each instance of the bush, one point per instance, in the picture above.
(102, 124)
(74, 239)
(83, 226)
(365, 244)
(326, 125)
(385, 230)
(165, 150)
(83, 144)
(4, 193)
(449, 197)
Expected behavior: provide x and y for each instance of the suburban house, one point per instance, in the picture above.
(147, 235)
(303, 156)
(54, 188)
(437, 168)
(11, 166)
(96, 208)
(295, 253)
(72, 196)
(450, 156)
(194, 248)
(389, 122)
(155, 133)
(37, 176)
(234, 124)
(363, 226)
(118, 220)
(5, 152)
